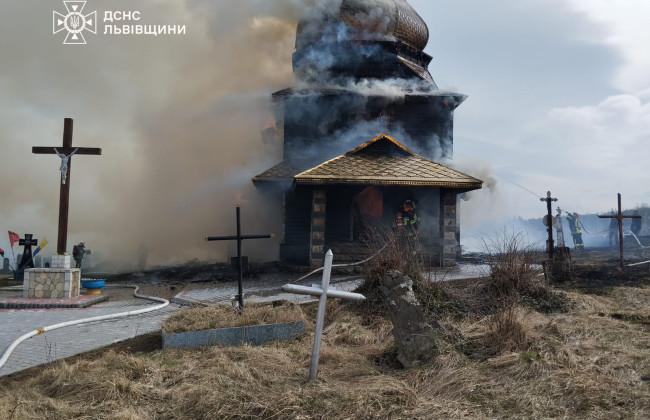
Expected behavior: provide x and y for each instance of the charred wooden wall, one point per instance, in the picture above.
(318, 123)
(297, 223)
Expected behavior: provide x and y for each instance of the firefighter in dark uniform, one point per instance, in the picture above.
(636, 224)
(78, 252)
(407, 219)
(576, 232)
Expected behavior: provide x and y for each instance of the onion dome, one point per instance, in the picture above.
(388, 18)
(365, 20)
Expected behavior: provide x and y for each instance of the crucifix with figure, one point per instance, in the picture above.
(239, 237)
(619, 217)
(65, 154)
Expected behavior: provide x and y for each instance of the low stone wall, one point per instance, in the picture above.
(52, 283)
(235, 336)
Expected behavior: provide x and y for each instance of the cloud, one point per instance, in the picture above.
(584, 155)
(628, 31)
(543, 110)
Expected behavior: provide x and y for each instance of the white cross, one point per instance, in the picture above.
(322, 292)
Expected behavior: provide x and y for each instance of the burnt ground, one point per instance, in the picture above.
(597, 271)
(594, 271)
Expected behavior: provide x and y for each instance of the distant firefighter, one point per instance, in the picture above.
(78, 252)
(576, 232)
(635, 227)
(613, 231)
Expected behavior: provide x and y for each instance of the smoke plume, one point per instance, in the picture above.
(178, 119)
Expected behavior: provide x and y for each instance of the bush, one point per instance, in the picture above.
(392, 251)
(513, 276)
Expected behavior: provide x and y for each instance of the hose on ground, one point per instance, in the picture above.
(163, 303)
(344, 265)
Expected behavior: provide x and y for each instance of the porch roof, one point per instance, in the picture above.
(379, 161)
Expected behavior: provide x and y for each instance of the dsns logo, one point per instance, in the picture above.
(74, 22)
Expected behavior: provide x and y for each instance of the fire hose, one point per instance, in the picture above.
(589, 233)
(343, 265)
(163, 303)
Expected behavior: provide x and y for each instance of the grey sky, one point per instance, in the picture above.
(558, 99)
(558, 94)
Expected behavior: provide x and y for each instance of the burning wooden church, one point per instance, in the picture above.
(364, 128)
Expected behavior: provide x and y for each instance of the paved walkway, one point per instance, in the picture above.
(263, 290)
(69, 341)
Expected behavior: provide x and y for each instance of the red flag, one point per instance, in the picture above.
(2, 253)
(13, 238)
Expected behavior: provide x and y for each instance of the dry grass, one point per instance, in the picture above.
(592, 362)
(220, 316)
(583, 364)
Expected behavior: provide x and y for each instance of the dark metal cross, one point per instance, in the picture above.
(239, 237)
(27, 261)
(549, 225)
(65, 153)
(619, 217)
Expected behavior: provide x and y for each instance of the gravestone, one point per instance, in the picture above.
(414, 335)
(27, 261)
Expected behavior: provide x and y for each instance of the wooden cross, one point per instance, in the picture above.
(619, 217)
(549, 225)
(65, 153)
(27, 260)
(239, 237)
(323, 292)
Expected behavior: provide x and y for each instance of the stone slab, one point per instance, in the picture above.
(19, 302)
(236, 336)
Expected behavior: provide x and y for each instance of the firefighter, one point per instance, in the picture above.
(613, 231)
(576, 232)
(407, 219)
(636, 224)
(78, 252)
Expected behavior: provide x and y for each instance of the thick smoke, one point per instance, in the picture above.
(178, 119)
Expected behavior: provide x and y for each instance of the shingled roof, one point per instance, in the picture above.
(379, 161)
(284, 171)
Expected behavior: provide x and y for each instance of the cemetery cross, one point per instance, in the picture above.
(239, 237)
(65, 153)
(27, 261)
(549, 224)
(322, 292)
(619, 217)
